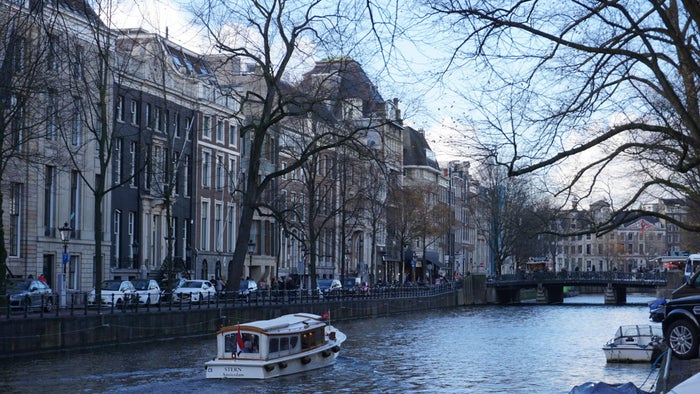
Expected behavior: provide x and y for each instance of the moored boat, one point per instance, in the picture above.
(285, 345)
(634, 344)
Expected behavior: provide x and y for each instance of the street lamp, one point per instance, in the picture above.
(251, 250)
(65, 232)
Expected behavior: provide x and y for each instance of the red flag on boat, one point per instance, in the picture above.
(326, 315)
(239, 342)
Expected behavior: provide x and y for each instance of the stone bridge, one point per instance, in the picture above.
(550, 286)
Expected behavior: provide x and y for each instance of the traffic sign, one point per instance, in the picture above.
(66, 258)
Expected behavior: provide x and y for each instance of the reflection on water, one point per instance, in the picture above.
(485, 349)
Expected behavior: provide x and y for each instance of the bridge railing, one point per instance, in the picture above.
(76, 303)
(582, 276)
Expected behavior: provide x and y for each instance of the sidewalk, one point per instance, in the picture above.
(674, 371)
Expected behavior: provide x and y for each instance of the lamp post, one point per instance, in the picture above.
(65, 259)
(251, 250)
(346, 262)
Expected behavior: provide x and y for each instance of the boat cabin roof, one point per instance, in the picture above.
(286, 324)
(637, 330)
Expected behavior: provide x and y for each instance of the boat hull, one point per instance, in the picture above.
(620, 354)
(258, 369)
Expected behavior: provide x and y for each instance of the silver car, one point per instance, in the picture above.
(31, 294)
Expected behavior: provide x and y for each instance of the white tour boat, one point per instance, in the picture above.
(268, 348)
(634, 344)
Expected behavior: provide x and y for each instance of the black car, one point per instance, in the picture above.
(681, 326)
(31, 294)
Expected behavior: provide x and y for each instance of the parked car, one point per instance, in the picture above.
(248, 289)
(148, 291)
(30, 294)
(194, 290)
(165, 292)
(351, 286)
(657, 310)
(681, 327)
(115, 292)
(329, 287)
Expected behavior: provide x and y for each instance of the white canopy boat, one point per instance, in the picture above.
(634, 344)
(265, 349)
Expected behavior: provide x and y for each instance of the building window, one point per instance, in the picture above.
(15, 219)
(176, 124)
(219, 131)
(17, 125)
(232, 133)
(158, 118)
(149, 114)
(75, 203)
(78, 62)
(186, 176)
(134, 112)
(51, 54)
(204, 241)
(220, 172)
(117, 161)
(206, 170)
(218, 226)
(206, 127)
(49, 200)
(117, 235)
(51, 115)
(132, 156)
(232, 170)
(77, 130)
(188, 127)
(18, 55)
(120, 108)
(230, 226)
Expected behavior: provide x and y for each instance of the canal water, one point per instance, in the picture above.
(483, 349)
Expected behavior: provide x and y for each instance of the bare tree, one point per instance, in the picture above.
(25, 57)
(268, 36)
(610, 84)
(509, 215)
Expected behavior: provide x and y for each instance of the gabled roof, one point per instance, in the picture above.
(416, 151)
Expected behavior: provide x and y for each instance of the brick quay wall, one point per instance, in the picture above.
(61, 332)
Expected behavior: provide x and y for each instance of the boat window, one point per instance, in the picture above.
(284, 343)
(230, 343)
(293, 342)
(307, 340)
(319, 336)
(274, 345)
(251, 343)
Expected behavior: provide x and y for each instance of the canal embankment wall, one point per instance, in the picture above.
(80, 330)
